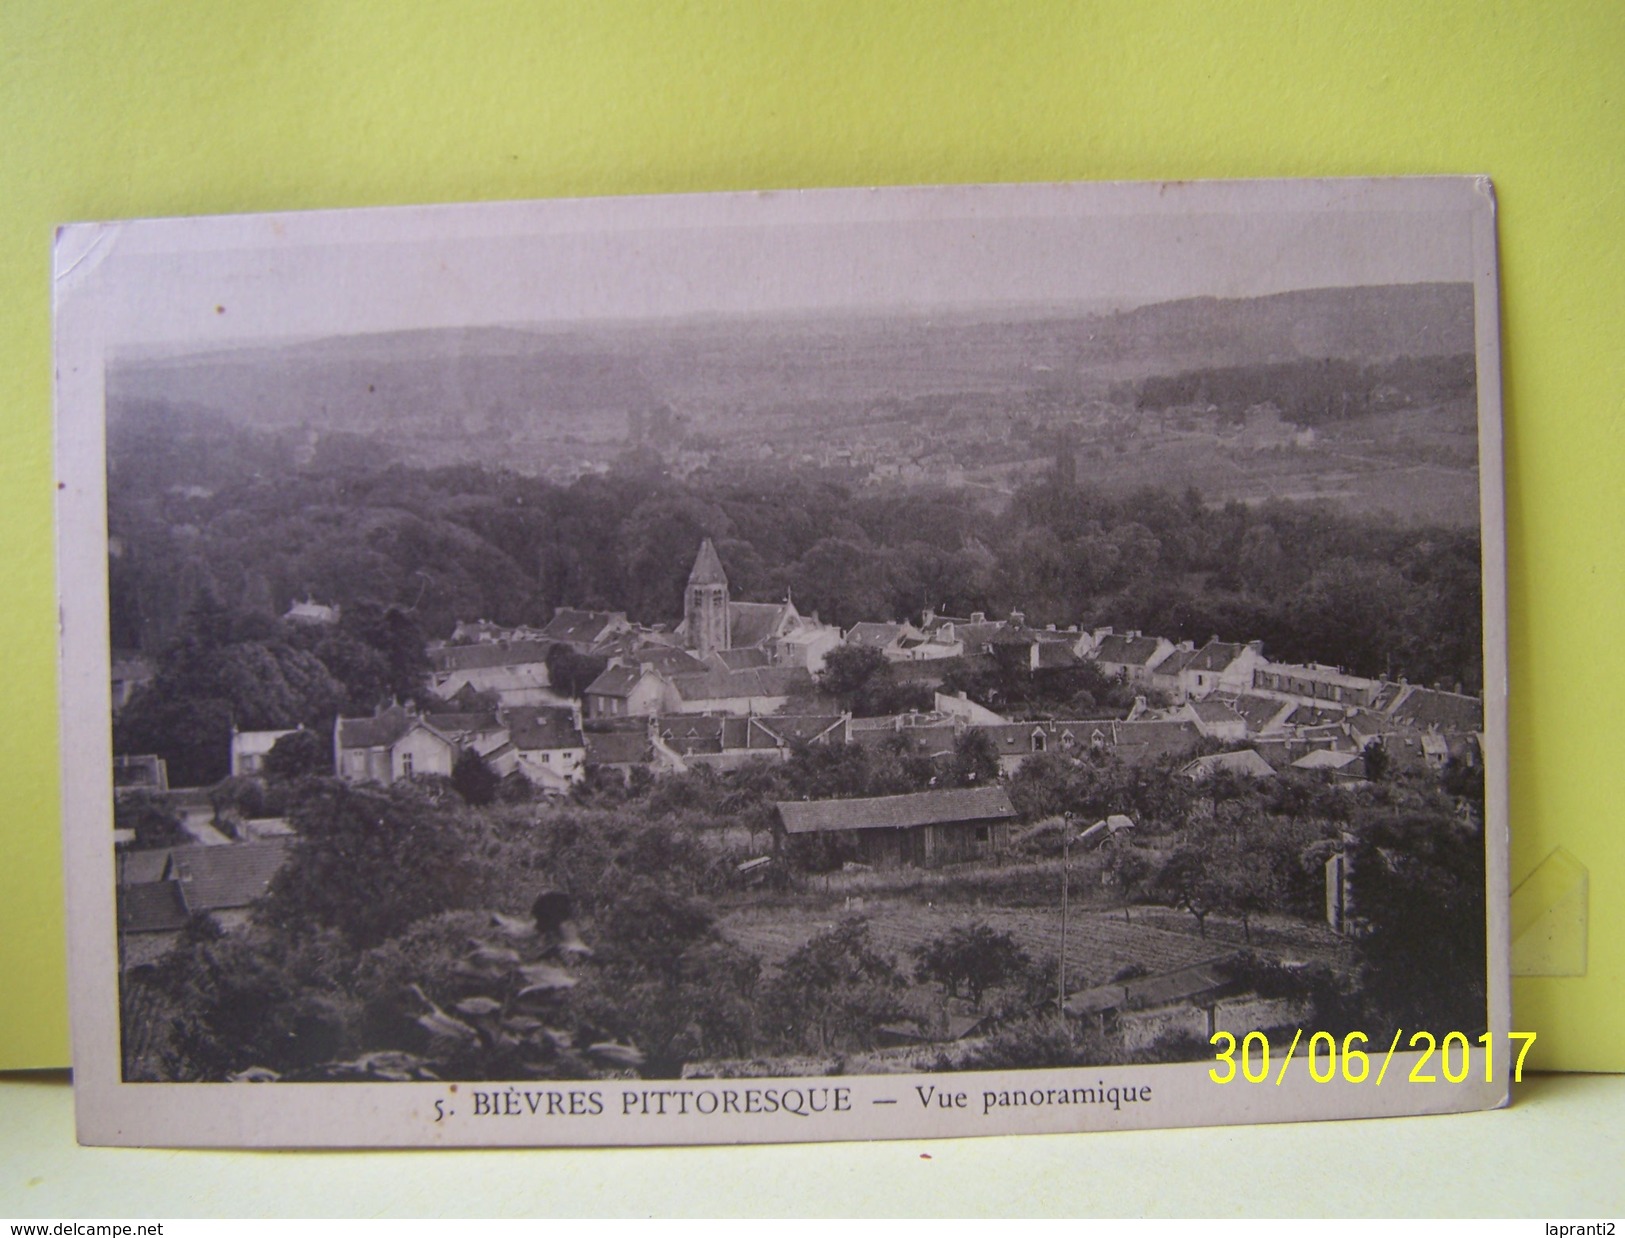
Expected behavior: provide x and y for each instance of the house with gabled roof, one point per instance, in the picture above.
(1263, 715)
(1429, 709)
(1014, 742)
(160, 891)
(926, 828)
(621, 749)
(764, 690)
(516, 671)
(548, 745)
(1220, 666)
(622, 691)
(583, 629)
(1128, 656)
(396, 742)
(888, 638)
(1214, 718)
(1314, 682)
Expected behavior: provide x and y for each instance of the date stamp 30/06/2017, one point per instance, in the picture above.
(1329, 1057)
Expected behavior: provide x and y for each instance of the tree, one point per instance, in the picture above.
(370, 862)
(474, 779)
(149, 815)
(835, 991)
(1186, 882)
(570, 672)
(298, 754)
(975, 956)
(1416, 879)
(976, 762)
(1377, 760)
(849, 669)
(1129, 868)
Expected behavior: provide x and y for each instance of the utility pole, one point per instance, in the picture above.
(1066, 870)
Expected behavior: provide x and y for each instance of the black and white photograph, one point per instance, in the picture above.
(782, 666)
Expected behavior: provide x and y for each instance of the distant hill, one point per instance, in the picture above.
(588, 380)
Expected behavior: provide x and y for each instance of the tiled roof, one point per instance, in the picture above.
(494, 653)
(458, 725)
(1448, 711)
(923, 741)
(1128, 650)
(1137, 742)
(216, 878)
(617, 747)
(1215, 656)
(1168, 669)
(135, 867)
(1324, 758)
(668, 660)
(1387, 694)
(773, 681)
(742, 659)
(1055, 655)
(1013, 737)
(1259, 711)
(897, 811)
(1314, 715)
(1245, 762)
(1215, 711)
(535, 728)
(579, 626)
(615, 681)
(751, 623)
(794, 728)
(379, 731)
(873, 635)
(151, 907)
(688, 734)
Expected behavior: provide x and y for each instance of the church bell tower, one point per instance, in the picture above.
(705, 603)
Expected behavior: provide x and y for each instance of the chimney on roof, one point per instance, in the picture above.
(1257, 646)
(927, 617)
(1049, 627)
(1018, 619)
(978, 616)
(1214, 639)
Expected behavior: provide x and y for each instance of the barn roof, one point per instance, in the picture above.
(897, 812)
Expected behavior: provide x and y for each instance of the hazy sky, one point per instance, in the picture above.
(232, 280)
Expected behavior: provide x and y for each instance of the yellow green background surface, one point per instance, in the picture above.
(115, 110)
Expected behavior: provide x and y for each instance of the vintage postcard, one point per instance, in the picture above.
(785, 666)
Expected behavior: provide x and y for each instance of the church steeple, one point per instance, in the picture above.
(708, 567)
(705, 603)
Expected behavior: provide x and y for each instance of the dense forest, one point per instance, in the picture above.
(1309, 392)
(197, 508)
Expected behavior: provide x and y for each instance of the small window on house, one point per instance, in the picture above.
(547, 758)
(1039, 741)
(406, 765)
(983, 833)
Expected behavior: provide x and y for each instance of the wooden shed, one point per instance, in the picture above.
(925, 829)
